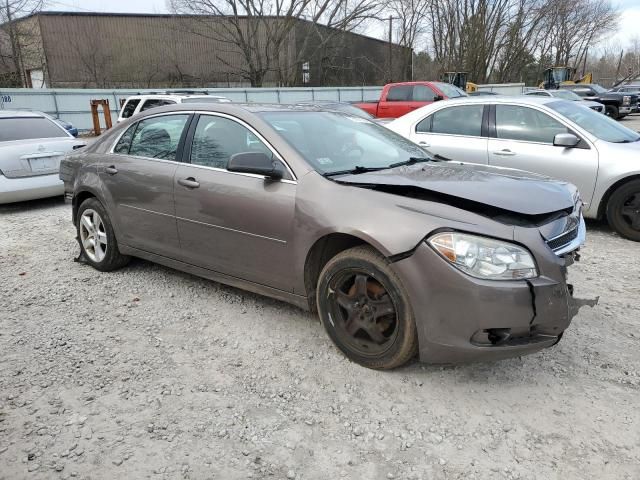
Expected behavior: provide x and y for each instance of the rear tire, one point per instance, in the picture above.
(611, 111)
(623, 210)
(97, 238)
(366, 310)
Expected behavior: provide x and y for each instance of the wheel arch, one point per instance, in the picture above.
(78, 198)
(323, 250)
(602, 207)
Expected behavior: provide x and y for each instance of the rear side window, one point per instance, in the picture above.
(526, 124)
(158, 137)
(401, 93)
(155, 103)
(122, 147)
(461, 120)
(130, 107)
(26, 128)
(422, 93)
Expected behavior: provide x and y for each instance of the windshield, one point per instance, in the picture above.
(598, 88)
(595, 123)
(566, 95)
(449, 90)
(334, 142)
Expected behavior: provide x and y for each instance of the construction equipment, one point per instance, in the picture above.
(556, 76)
(459, 79)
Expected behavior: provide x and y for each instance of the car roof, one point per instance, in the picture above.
(171, 96)
(525, 99)
(20, 113)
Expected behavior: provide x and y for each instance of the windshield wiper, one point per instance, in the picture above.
(354, 171)
(628, 141)
(414, 160)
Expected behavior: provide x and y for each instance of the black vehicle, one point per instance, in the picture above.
(633, 89)
(617, 104)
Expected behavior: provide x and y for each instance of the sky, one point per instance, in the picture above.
(629, 19)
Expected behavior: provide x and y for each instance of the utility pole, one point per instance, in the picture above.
(390, 49)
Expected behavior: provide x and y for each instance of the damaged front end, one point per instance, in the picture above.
(461, 318)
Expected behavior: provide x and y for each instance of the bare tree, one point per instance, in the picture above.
(15, 36)
(262, 34)
(410, 16)
(256, 30)
(574, 25)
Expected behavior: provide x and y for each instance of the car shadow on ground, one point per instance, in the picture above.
(40, 204)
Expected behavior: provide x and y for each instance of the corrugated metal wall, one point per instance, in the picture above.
(73, 105)
(128, 51)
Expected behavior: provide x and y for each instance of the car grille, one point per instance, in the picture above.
(563, 239)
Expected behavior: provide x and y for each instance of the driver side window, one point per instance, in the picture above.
(217, 139)
(515, 122)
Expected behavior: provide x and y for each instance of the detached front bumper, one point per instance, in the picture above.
(462, 319)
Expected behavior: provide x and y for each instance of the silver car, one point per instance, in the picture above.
(545, 135)
(567, 95)
(31, 147)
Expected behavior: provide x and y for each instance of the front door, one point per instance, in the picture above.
(138, 183)
(455, 133)
(524, 140)
(233, 223)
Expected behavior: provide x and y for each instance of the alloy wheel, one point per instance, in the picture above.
(93, 235)
(363, 312)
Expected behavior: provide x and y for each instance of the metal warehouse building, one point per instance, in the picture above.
(102, 50)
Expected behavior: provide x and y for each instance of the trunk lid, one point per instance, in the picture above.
(28, 158)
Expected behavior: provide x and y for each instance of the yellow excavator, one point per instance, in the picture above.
(556, 76)
(459, 79)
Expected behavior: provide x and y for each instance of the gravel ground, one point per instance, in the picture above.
(151, 373)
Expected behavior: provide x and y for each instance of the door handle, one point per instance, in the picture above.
(111, 170)
(505, 153)
(189, 182)
(424, 144)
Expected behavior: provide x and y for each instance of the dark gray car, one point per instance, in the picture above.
(398, 252)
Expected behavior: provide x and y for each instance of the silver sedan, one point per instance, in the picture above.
(545, 135)
(31, 147)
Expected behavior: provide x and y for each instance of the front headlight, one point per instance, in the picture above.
(626, 100)
(483, 257)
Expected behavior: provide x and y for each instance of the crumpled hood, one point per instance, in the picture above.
(504, 188)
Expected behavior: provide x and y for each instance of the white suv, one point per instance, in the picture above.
(139, 103)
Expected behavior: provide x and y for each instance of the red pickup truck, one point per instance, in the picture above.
(397, 99)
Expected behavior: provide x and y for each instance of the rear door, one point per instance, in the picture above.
(523, 138)
(234, 223)
(137, 179)
(31, 146)
(456, 132)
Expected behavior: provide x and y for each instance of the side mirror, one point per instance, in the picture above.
(257, 163)
(437, 98)
(568, 140)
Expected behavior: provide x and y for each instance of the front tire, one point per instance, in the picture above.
(611, 111)
(366, 310)
(97, 238)
(623, 210)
